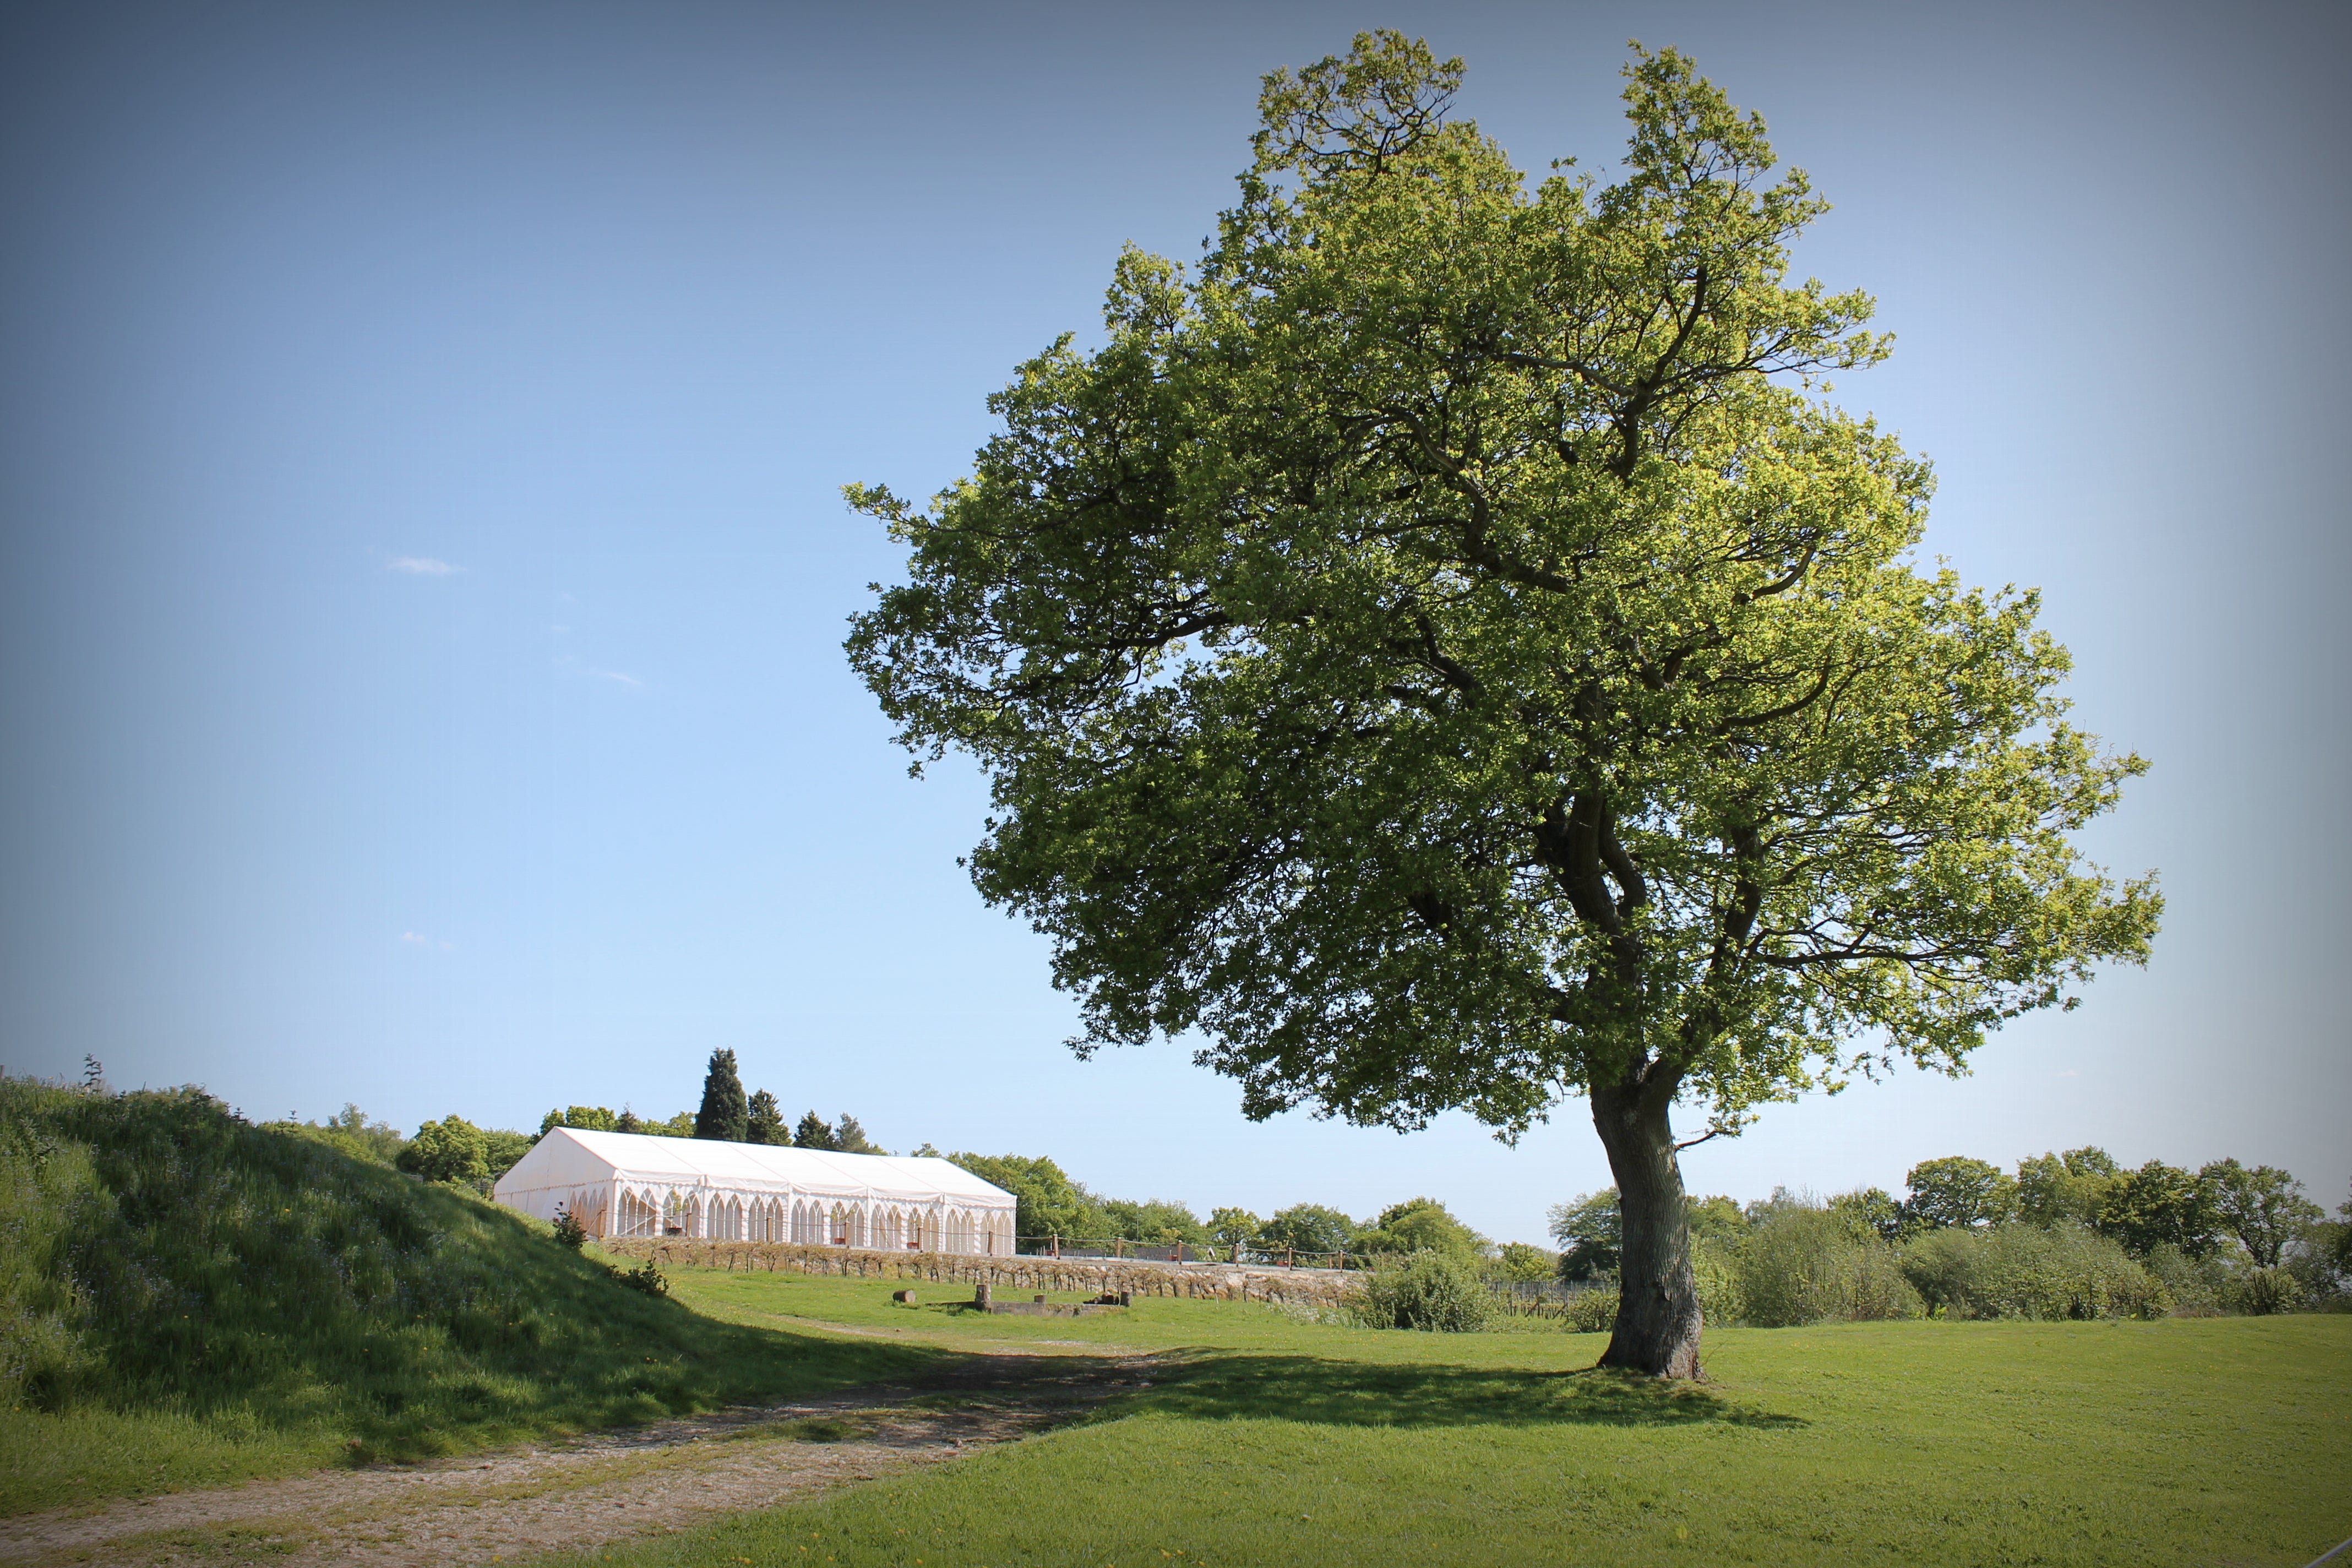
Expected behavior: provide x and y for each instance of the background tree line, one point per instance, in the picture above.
(459, 1152)
(2067, 1234)
(727, 1115)
(1052, 1205)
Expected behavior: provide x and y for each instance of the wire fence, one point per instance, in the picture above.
(1516, 1297)
(1548, 1298)
(1229, 1254)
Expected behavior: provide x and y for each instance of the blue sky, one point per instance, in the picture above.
(421, 429)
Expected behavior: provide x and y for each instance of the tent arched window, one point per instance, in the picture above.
(638, 1215)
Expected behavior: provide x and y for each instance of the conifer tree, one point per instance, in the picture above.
(766, 1120)
(725, 1114)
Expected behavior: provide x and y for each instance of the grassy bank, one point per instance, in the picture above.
(186, 1299)
(1275, 1441)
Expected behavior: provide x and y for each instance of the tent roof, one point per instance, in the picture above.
(571, 1157)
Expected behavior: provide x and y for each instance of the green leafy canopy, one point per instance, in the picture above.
(1446, 649)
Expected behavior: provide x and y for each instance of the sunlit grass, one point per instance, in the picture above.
(943, 1317)
(1263, 1440)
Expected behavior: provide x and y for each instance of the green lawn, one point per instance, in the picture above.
(1271, 1441)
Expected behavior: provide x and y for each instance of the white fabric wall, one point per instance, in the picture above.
(629, 1185)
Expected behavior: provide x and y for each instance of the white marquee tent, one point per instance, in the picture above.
(630, 1185)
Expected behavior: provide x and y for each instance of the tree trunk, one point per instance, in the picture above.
(1658, 1313)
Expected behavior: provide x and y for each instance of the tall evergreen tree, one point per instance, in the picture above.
(815, 1132)
(725, 1115)
(850, 1137)
(766, 1121)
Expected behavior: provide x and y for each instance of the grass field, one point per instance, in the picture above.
(1266, 1440)
(186, 1300)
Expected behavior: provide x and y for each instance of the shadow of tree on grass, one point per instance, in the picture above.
(1364, 1393)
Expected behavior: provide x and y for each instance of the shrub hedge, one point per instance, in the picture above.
(2023, 1271)
(1431, 1292)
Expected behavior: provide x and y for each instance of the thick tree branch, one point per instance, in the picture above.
(1456, 675)
(1633, 891)
(1647, 392)
(1785, 709)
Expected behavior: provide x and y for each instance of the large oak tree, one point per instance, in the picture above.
(1446, 650)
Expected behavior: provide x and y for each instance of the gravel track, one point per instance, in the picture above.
(521, 1503)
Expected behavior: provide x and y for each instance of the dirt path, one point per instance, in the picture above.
(578, 1493)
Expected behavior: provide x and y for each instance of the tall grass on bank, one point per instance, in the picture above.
(42, 1182)
(269, 1301)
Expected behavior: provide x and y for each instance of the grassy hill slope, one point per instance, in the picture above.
(186, 1297)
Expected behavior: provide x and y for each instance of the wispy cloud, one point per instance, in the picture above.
(422, 566)
(412, 939)
(620, 677)
(2068, 1072)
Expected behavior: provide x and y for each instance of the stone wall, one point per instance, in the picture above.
(1092, 1276)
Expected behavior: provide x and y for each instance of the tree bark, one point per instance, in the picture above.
(1658, 1322)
